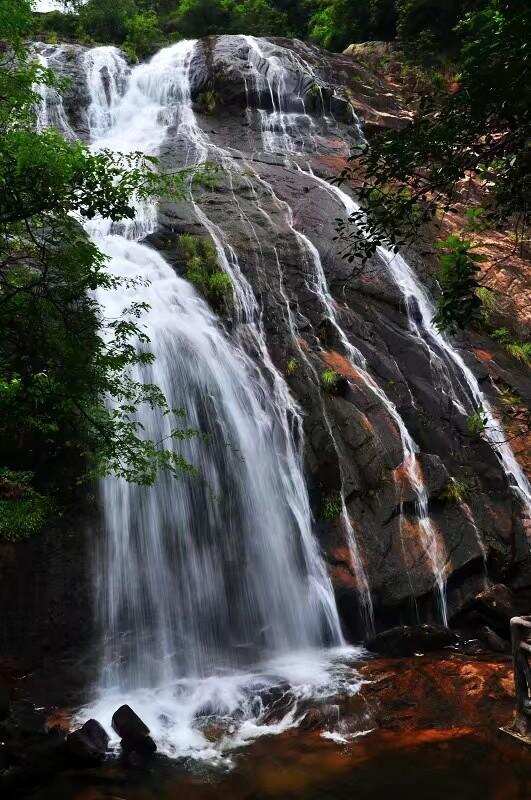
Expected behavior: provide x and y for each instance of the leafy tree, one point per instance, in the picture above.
(61, 361)
(459, 304)
(144, 35)
(479, 128)
(258, 18)
(196, 18)
(107, 22)
(337, 23)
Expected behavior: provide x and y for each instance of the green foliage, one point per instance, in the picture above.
(202, 269)
(456, 491)
(488, 303)
(195, 18)
(521, 351)
(476, 423)
(62, 25)
(337, 23)
(23, 511)
(425, 27)
(330, 380)
(207, 102)
(107, 22)
(332, 507)
(68, 402)
(476, 219)
(459, 304)
(292, 366)
(481, 126)
(144, 35)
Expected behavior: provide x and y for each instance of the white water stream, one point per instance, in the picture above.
(271, 75)
(210, 590)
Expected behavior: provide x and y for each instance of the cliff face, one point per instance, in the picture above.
(275, 215)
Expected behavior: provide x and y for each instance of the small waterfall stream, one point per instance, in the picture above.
(283, 131)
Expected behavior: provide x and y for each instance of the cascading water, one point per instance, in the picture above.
(272, 78)
(212, 589)
(285, 81)
(444, 357)
(200, 580)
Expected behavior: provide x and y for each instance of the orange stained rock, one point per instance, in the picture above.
(482, 355)
(60, 718)
(342, 366)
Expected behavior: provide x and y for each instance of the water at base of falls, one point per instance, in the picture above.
(208, 718)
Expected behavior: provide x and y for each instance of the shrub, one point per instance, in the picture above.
(459, 304)
(332, 507)
(330, 380)
(23, 511)
(455, 491)
(144, 35)
(292, 366)
(202, 269)
(476, 423)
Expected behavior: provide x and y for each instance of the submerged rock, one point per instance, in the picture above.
(320, 717)
(406, 640)
(88, 745)
(494, 642)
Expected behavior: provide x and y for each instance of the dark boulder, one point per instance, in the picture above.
(87, 745)
(136, 742)
(494, 607)
(142, 747)
(492, 641)
(128, 724)
(406, 640)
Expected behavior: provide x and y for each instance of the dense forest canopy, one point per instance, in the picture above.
(427, 25)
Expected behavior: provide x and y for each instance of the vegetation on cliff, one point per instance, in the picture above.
(469, 130)
(67, 398)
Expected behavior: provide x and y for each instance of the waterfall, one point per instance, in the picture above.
(212, 589)
(208, 588)
(271, 72)
(271, 76)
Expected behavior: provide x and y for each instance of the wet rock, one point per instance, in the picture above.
(136, 742)
(272, 702)
(277, 710)
(494, 642)
(143, 747)
(495, 606)
(406, 640)
(88, 745)
(320, 717)
(211, 709)
(128, 724)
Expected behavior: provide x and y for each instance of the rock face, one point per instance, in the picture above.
(275, 214)
(88, 745)
(407, 640)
